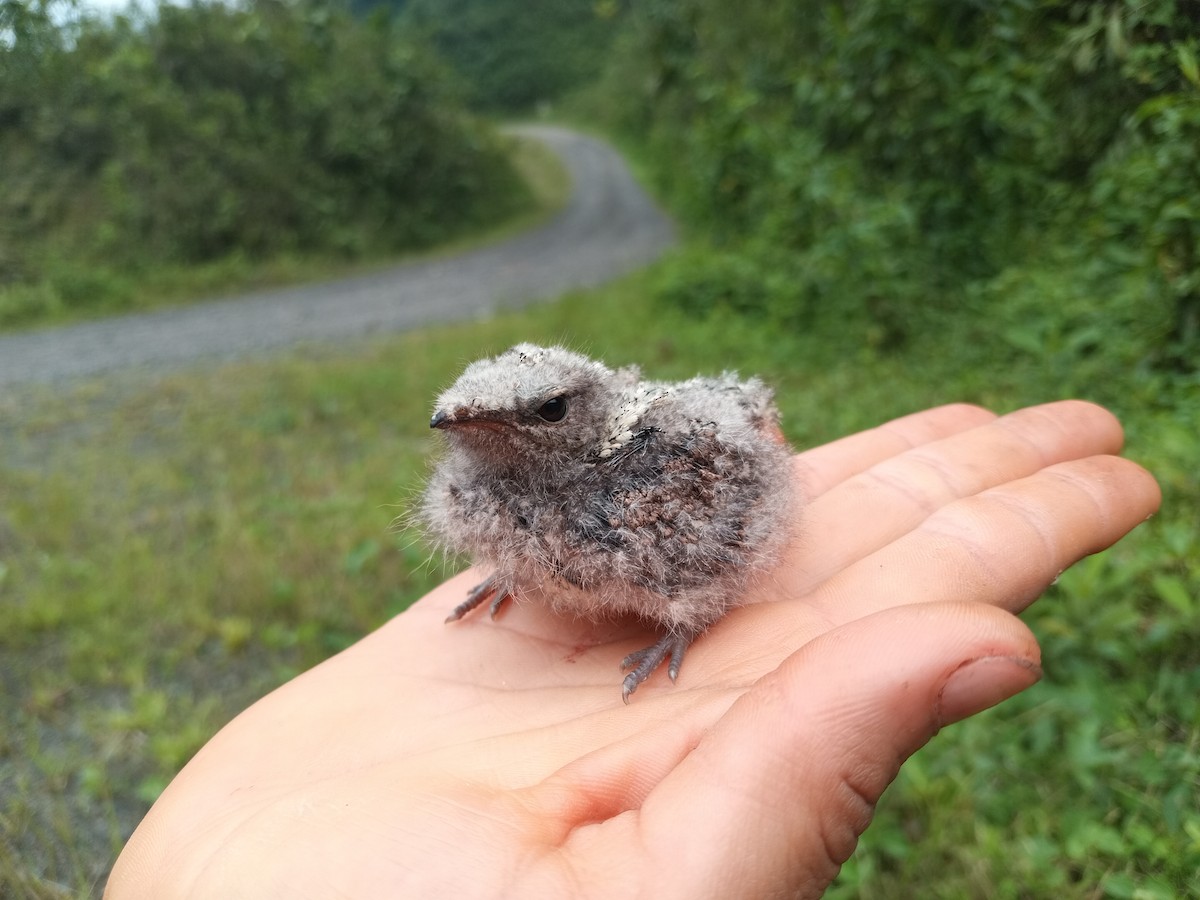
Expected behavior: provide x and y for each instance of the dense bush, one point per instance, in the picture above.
(207, 130)
(513, 55)
(897, 156)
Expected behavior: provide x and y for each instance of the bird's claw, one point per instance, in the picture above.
(477, 596)
(642, 663)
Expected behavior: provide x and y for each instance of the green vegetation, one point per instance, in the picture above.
(516, 55)
(881, 165)
(892, 205)
(270, 137)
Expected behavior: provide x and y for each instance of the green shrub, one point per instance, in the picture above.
(202, 131)
(513, 55)
(902, 155)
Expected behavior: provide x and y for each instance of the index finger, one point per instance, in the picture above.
(828, 465)
(869, 509)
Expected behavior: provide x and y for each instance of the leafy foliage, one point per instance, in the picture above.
(210, 130)
(515, 54)
(895, 157)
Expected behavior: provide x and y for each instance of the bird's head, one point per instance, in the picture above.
(529, 401)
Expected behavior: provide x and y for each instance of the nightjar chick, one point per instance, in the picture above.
(601, 494)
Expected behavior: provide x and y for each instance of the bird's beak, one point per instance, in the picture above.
(464, 415)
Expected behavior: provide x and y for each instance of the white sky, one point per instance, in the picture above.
(117, 5)
(103, 4)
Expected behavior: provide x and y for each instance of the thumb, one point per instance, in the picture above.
(798, 763)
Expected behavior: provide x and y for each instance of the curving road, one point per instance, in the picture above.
(608, 227)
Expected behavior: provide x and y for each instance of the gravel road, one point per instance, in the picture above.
(608, 227)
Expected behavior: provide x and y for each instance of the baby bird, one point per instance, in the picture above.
(602, 494)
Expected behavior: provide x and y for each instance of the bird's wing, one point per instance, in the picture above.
(672, 511)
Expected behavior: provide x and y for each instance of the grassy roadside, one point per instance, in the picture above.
(172, 549)
(23, 307)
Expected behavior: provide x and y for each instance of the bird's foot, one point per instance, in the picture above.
(642, 663)
(477, 596)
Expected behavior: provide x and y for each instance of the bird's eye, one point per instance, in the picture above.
(554, 409)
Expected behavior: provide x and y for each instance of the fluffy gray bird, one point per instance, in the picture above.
(599, 493)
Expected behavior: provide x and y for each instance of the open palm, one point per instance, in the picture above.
(492, 758)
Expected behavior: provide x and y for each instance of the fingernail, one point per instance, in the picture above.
(979, 684)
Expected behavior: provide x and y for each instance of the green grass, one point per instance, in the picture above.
(172, 549)
(75, 291)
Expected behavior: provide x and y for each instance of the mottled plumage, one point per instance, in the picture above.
(598, 493)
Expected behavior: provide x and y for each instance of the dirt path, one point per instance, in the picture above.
(608, 227)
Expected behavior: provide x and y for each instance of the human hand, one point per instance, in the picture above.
(494, 758)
